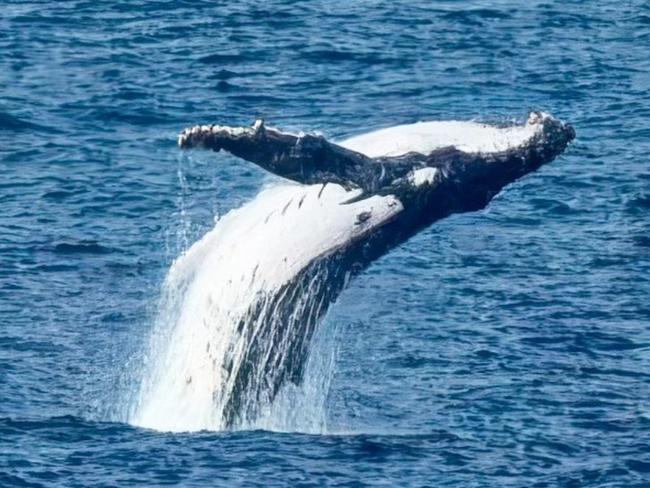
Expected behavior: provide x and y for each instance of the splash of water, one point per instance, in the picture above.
(238, 310)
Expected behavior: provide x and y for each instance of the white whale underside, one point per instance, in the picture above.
(251, 252)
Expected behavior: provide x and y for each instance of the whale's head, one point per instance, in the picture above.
(553, 135)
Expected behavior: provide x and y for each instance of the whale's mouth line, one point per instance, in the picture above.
(232, 347)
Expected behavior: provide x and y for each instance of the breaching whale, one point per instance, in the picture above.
(254, 289)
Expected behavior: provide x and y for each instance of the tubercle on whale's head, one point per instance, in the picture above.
(552, 138)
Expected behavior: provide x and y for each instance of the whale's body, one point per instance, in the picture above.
(248, 295)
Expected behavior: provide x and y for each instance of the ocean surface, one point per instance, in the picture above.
(504, 348)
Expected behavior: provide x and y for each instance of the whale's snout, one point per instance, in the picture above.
(555, 135)
(570, 132)
(553, 128)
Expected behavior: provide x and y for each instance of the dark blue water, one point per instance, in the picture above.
(510, 347)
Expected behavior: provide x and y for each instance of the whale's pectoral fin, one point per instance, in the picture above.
(476, 176)
(303, 158)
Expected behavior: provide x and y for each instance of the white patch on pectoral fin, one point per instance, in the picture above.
(424, 176)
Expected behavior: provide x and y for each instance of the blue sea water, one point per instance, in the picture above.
(505, 348)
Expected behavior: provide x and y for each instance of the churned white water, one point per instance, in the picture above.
(196, 344)
(250, 253)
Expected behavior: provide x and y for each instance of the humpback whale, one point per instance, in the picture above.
(269, 270)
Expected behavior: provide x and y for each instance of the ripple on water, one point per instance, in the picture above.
(503, 348)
